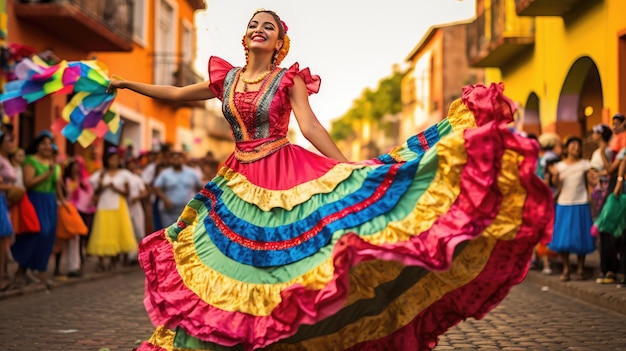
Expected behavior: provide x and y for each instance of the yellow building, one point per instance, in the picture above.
(563, 61)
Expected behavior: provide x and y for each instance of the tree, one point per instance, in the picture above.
(372, 106)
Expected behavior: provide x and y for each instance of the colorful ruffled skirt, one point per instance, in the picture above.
(300, 252)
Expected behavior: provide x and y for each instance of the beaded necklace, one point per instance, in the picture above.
(253, 81)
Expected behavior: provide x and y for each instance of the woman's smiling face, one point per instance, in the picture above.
(263, 32)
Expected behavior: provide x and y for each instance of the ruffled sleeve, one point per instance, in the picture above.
(311, 81)
(218, 69)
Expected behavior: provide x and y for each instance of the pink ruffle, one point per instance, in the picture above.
(297, 166)
(500, 274)
(311, 81)
(218, 69)
(170, 303)
(488, 103)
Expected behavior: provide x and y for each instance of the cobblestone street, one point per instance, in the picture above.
(95, 315)
(108, 314)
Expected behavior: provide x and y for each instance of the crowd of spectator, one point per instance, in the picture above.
(587, 190)
(65, 211)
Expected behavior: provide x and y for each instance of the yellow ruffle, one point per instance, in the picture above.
(260, 299)
(395, 153)
(407, 306)
(460, 116)
(465, 267)
(444, 190)
(267, 199)
(189, 215)
(436, 200)
(164, 338)
(233, 295)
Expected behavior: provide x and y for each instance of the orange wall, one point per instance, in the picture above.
(25, 34)
(48, 108)
(138, 66)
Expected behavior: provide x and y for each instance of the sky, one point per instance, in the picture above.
(350, 44)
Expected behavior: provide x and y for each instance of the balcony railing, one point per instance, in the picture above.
(498, 35)
(92, 25)
(186, 75)
(167, 71)
(547, 7)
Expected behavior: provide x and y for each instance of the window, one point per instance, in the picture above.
(157, 133)
(140, 30)
(165, 42)
(186, 39)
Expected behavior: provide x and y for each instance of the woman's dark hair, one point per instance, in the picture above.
(67, 171)
(550, 162)
(279, 23)
(604, 130)
(107, 154)
(573, 139)
(32, 148)
(569, 140)
(13, 153)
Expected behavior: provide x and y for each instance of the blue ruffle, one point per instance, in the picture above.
(265, 258)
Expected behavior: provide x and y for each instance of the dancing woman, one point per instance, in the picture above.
(287, 249)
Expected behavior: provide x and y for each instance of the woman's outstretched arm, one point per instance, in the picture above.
(193, 92)
(310, 126)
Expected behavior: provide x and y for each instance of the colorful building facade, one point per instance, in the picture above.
(148, 41)
(563, 61)
(164, 50)
(438, 71)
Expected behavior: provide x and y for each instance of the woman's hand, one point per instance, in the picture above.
(115, 83)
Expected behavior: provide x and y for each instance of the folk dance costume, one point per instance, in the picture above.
(289, 250)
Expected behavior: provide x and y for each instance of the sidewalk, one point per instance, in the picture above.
(608, 296)
(89, 274)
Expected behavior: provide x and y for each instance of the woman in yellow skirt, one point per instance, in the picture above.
(112, 231)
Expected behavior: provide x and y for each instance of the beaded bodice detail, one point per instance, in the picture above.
(250, 114)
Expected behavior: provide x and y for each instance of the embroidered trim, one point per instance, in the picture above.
(240, 130)
(260, 151)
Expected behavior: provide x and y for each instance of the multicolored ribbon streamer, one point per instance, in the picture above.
(89, 114)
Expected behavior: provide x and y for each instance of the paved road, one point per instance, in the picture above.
(93, 315)
(108, 314)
